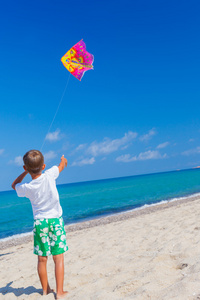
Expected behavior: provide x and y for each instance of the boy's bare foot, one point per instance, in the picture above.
(62, 295)
(49, 291)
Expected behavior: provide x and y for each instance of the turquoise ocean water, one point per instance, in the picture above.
(86, 200)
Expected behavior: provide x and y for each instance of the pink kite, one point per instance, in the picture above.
(77, 60)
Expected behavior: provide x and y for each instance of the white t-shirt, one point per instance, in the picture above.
(43, 194)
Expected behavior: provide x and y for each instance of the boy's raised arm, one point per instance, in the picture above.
(62, 164)
(19, 179)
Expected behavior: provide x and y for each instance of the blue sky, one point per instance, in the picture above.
(136, 113)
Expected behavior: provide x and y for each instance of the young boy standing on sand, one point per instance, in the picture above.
(49, 232)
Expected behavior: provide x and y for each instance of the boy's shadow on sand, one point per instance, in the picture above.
(19, 291)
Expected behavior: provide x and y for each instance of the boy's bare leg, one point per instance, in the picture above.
(42, 272)
(59, 274)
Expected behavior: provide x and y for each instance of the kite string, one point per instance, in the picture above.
(55, 113)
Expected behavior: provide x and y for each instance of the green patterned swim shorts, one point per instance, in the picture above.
(49, 237)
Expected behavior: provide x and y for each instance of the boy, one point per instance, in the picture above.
(49, 232)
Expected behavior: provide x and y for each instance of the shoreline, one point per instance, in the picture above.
(20, 239)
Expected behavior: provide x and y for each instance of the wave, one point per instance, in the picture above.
(161, 202)
(16, 236)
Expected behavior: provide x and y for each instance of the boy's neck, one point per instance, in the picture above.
(35, 176)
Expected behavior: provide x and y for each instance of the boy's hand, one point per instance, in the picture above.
(64, 159)
(62, 164)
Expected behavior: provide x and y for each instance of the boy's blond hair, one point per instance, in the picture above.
(33, 161)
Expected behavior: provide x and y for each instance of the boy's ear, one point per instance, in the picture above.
(43, 167)
(24, 168)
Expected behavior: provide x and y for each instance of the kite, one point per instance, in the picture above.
(77, 60)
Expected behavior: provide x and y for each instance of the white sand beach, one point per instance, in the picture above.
(152, 253)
